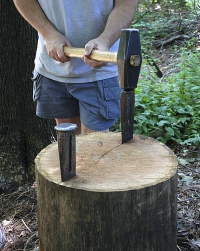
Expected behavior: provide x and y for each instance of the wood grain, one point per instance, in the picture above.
(104, 164)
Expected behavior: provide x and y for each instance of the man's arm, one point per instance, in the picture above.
(33, 13)
(120, 18)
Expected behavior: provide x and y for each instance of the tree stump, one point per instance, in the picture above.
(122, 199)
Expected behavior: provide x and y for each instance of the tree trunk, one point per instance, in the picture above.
(22, 135)
(122, 199)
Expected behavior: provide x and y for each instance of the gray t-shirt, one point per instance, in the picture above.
(80, 21)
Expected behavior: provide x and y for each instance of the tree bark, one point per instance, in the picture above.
(123, 197)
(22, 134)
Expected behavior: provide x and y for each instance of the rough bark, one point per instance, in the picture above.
(22, 135)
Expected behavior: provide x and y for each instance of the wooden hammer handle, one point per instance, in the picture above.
(102, 56)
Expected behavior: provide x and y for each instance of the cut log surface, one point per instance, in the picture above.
(103, 164)
(123, 197)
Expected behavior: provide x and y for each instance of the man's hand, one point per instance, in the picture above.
(120, 18)
(54, 45)
(97, 44)
(55, 41)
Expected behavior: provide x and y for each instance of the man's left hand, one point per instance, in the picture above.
(96, 44)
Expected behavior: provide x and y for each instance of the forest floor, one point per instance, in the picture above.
(18, 212)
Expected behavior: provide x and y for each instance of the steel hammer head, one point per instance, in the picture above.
(129, 58)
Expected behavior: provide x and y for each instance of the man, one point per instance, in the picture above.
(80, 91)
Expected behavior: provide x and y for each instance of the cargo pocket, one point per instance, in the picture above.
(36, 85)
(109, 98)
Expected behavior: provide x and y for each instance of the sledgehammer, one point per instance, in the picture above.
(129, 59)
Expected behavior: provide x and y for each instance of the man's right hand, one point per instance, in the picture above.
(55, 41)
(54, 45)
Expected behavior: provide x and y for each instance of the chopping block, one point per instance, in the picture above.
(123, 197)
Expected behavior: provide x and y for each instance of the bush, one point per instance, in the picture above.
(169, 109)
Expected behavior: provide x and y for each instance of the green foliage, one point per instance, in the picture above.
(160, 19)
(168, 6)
(192, 3)
(169, 109)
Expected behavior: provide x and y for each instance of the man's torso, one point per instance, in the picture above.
(79, 21)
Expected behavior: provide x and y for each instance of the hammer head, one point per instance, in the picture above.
(129, 59)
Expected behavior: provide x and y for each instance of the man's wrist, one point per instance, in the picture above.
(105, 40)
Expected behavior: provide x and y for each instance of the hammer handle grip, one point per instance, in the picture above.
(101, 56)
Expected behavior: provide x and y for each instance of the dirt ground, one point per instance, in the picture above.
(18, 212)
(188, 199)
(18, 218)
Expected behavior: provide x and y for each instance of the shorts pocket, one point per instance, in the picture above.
(109, 98)
(36, 85)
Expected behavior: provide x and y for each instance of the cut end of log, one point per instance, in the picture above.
(103, 164)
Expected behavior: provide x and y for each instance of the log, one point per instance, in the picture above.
(122, 199)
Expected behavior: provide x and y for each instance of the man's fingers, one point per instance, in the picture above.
(94, 44)
(62, 58)
(55, 49)
(59, 56)
(93, 63)
(88, 48)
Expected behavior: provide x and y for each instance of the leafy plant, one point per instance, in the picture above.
(169, 109)
(192, 3)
